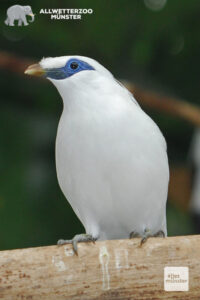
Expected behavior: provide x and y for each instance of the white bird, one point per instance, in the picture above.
(111, 157)
(194, 161)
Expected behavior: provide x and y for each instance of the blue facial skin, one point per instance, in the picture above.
(72, 67)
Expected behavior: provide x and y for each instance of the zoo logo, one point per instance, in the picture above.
(19, 13)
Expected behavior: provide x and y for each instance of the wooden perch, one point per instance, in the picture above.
(112, 270)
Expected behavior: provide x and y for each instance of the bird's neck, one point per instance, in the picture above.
(84, 95)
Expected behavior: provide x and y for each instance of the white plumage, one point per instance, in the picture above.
(111, 157)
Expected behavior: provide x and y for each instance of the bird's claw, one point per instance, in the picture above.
(134, 234)
(147, 234)
(78, 238)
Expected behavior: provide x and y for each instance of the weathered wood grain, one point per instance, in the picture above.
(119, 269)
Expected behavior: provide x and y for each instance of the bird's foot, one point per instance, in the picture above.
(78, 238)
(147, 234)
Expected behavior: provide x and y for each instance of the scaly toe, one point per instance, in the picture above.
(147, 234)
(77, 239)
(63, 242)
(134, 234)
(159, 233)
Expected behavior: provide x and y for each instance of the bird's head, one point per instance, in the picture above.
(64, 69)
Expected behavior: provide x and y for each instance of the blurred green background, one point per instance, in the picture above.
(154, 43)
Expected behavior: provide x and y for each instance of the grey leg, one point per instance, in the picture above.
(20, 22)
(78, 238)
(23, 18)
(11, 22)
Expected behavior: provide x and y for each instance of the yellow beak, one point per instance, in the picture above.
(35, 70)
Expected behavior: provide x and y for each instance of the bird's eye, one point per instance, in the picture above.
(74, 65)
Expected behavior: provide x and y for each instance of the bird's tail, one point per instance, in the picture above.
(6, 21)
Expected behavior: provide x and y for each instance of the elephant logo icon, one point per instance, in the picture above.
(19, 13)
